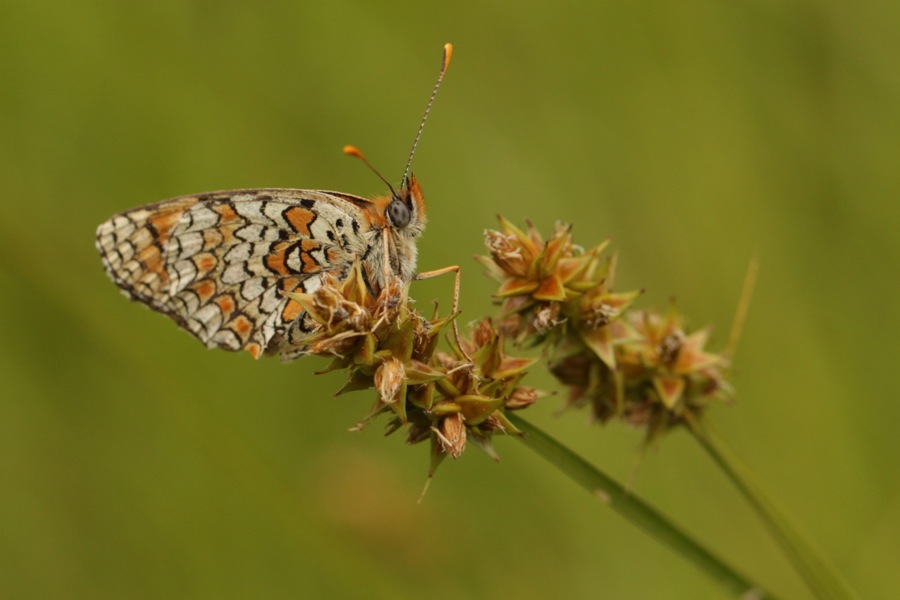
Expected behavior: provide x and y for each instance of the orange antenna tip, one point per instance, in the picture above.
(352, 151)
(448, 53)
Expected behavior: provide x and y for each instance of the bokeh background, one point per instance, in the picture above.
(134, 463)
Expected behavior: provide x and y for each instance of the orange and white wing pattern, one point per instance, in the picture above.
(219, 263)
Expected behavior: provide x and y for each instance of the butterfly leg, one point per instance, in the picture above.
(455, 308)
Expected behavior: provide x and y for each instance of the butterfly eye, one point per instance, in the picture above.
(399, 213)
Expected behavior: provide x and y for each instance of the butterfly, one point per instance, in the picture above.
(223, 264)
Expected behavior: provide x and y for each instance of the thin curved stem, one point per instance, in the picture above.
(638, 512)
(820, 576)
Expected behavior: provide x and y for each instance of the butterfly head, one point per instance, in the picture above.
(406, 210)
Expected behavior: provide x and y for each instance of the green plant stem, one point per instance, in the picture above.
(613, 494)
(820, 576)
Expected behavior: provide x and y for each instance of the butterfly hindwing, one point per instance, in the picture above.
(218, 263)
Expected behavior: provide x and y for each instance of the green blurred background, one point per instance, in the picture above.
(136, 464)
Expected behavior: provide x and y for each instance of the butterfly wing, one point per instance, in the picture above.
(218, 263)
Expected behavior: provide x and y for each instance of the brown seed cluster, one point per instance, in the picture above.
(637, 365)
(387, 345)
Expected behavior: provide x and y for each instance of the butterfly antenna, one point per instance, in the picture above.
(445, 62)
(356, 152)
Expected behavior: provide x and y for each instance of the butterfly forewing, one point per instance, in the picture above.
(219, 263)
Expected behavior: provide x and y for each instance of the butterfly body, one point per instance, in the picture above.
(220, 263)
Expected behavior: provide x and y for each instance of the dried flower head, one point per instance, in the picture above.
(473, 396)
(386, 345)
(665, 364)
(659, 373)
(635, 365)
(343, 318)
(548, 287)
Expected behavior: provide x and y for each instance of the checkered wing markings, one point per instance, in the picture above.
(218, 263)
